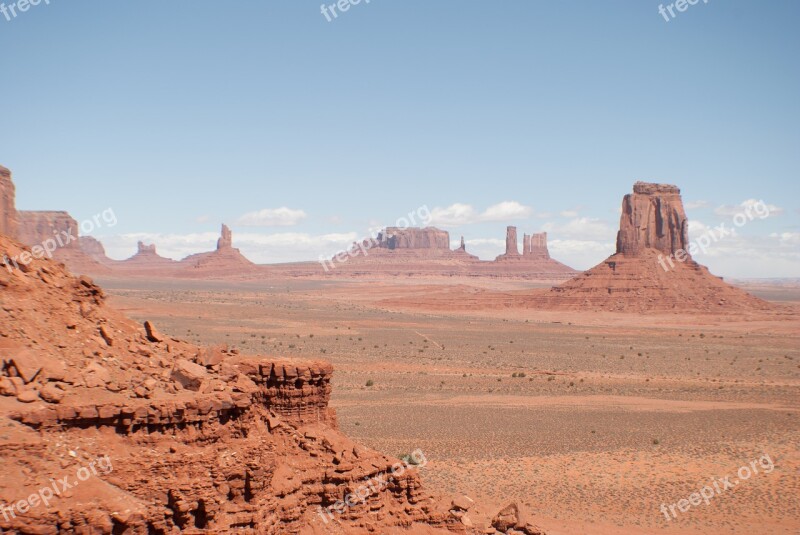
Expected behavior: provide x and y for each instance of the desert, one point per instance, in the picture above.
(451, 268)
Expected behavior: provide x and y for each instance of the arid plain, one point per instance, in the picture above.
(591, 420)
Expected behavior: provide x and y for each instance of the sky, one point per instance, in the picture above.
(304, 134)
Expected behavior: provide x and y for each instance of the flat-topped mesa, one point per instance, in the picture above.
(393, 238)
(8, 210)
(36, 227)
(225, 240)
(652, 217)
(535, 246)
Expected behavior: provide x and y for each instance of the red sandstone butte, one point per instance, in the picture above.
(639, 277)
(225, 260)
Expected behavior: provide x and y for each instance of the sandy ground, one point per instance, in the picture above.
(592, 421)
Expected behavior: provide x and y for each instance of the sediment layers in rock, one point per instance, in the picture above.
(8, 211)
(200, 440)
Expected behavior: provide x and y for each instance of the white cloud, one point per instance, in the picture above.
(453, 216)
(695, 205)
(750, 206)
(506, 210)
(787, 239)
(569, 213)
(272, 217)
(464, 214)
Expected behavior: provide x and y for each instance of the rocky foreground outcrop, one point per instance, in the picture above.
(139, 432)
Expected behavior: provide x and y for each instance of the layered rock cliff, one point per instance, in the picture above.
(393, 238)
(652, 218)
(36, 227)
(8, 212)
(155, 435)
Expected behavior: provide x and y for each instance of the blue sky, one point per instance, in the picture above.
(181, 115)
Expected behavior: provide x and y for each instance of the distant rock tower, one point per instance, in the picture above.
(225, 240)
(535, 246)
(511, 242)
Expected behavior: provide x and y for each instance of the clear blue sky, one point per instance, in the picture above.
(180, 115)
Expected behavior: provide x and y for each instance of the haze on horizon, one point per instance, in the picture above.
(304, 135)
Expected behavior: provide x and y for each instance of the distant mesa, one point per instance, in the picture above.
(642, 275)
(413, 238)
(37, 226)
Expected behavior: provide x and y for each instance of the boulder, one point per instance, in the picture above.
(189, 375)
(152, 333)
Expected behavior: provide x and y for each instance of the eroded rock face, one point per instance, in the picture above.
(511, 242)
(643, 276)
(413, 238)
(225, 240)
(36, 227)
(8, 211)
(652, 217)
(143, 249)
(194, 441)
(92, 247)
(535, 246)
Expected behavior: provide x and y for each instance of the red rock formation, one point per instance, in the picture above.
(641, 276)
(36, 227)
(652, 217)
(413, 238)
(8, 211)
(511, 242)
(92, 247)
(534, 262)
(535, 246)
(225, 261)
(225, 240)
(190, 439)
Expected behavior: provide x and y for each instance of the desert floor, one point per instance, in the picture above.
(592, 421)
